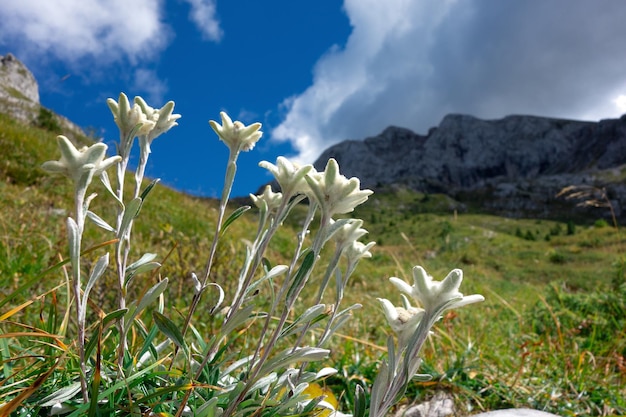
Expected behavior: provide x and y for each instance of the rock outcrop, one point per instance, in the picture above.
(19, 98)
(513, 166)
(19, 91)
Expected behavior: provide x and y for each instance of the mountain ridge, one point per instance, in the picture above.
(514, 166)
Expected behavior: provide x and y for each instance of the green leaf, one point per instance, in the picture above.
(113, 316)
(99, 221)
(96, 273)
(149, 297)
(149, 188)
(60, 395)
(104, 177)
(130, 212)
(209, 409)
(169, 329)
(360, 404)
(74, 240)
(301, 274)
(299, 354)
(144, 264)
(237, 318)
(310, 316)
(234, 216)
(123, 382)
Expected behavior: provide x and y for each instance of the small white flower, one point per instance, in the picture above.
(436, 295)
(237, 136)
(358, 250)
(288, 175)
(75, 163)
(334, 193)
(162, 119)
(268, 199)
(403, 321)
(127, 118)
(349, 233)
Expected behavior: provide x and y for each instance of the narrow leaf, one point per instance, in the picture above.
(145, 258)
(99, 221)
(149, 297)
(74, 240)
(220, 298)
(61, 395)
(113, 316)
(130, 212)
(302, 273)
(209, 409)
(96, 273)
(169, 329)
(359, 402)
(234, 216)
(149, 188)
(104, 177)
(311, 315)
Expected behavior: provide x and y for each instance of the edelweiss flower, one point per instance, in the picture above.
(162, 118)
(127, 118)
(237, 136)
(75, 163)
(358, 250)
(268, 199)
(403, 321)
(436, 295)
(349, 233)
(290, 176)
(334, 193)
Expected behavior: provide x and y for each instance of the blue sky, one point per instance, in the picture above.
(315, 72)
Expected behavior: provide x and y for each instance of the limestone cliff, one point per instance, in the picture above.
(19, 98)
(512, 166)
(19, 92)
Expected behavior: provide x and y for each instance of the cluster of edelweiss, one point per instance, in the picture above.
(331, 192)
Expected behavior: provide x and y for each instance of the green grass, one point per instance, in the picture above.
(550, 335)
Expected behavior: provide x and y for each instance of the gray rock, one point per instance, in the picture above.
(440, 405)
(513, 166)
(516, 412)
(19, 91)
(19, 96)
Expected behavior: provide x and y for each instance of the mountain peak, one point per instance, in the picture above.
(533, 156)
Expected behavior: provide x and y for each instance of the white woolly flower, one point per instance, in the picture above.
(162, 119)
(237, 136)
(75, 163)
(358, 250)
(402, 320)
(288, 175)
(436, 295)
(129, 120)
(349, 233)
(268, 199)
(334, 193)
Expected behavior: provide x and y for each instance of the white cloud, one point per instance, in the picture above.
(147, 83)
(620, 103)
(409, 63)
(72, 29)
(202, 13)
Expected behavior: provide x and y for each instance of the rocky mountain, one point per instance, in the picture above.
(515, 166)
(19, 98)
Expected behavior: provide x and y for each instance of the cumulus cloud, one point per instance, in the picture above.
(74, 29)
(203, 14)
(150, 85)
(409, 63)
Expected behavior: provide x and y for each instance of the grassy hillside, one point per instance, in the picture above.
(551, 334)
